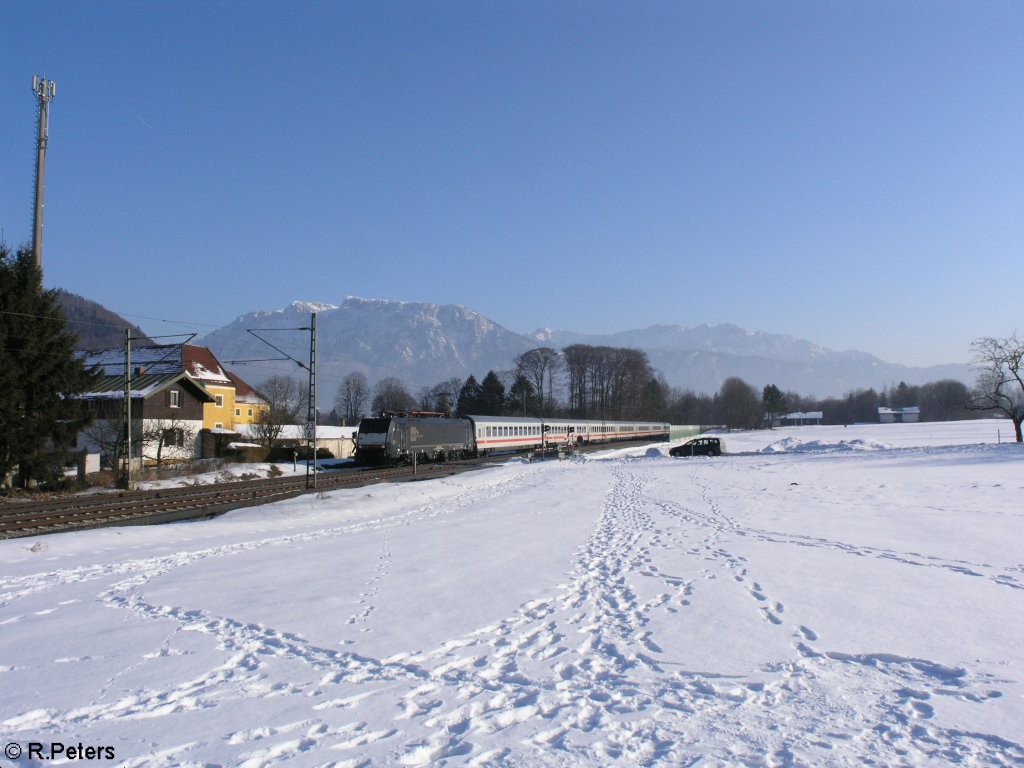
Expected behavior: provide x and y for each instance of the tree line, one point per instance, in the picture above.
(601, 382)
(738, 405)
(595, 382)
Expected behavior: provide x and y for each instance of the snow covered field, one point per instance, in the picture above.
(822, 596)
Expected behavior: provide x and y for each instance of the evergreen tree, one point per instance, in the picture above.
(492, 395)
(40, 378)
(773, 403)
(469, 397)
(904, 396)
(522, 399)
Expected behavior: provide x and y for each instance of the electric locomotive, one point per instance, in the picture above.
(395, 438)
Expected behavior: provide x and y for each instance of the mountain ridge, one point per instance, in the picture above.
(95, 326)
(424, 343)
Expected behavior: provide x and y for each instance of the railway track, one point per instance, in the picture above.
(19, 519)
(69, 513)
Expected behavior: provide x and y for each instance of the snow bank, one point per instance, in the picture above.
(796, 445)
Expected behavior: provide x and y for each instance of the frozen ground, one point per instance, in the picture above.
(823, 596)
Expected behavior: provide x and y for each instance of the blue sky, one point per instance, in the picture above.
(850, 173)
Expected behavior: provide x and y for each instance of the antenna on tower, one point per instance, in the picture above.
(44, 90)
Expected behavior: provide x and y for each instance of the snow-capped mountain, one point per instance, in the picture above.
(423, 344)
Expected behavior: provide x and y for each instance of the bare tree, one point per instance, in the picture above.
(152, 439)
(537, 365)
(267, 428)
(578, 367)
(654, 400)
(739, 404)
(610, 382)
(353, 395)
(631, 375)
(106, 432)
(390, 394)
(1000, 383)
(944, 400)
(441, 397)
(287, 403)
(687, 407)
(163, 436)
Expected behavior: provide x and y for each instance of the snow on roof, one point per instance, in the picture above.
(202, 365)
(143, 386)
(908, 409)
(151, 359)
(804, 415)
(199, 362)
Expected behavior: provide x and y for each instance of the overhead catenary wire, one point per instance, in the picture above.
(332, 372)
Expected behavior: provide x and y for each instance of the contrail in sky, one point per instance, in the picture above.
(140, 118)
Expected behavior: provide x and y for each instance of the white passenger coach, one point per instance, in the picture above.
(513, 433)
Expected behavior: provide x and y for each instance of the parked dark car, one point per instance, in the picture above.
(698, 446)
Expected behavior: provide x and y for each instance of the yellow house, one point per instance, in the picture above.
(234, 401)
(248, 404)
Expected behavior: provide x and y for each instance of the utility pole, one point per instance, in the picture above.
(310, 430)
(311, 415)
(126, 417)
(44, 90)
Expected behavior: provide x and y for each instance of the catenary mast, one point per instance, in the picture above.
(44, 90)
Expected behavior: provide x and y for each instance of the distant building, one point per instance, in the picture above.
(800, 419)
(899, 415)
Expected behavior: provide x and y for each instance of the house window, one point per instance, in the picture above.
(174, 438)
(250, 413)
(238, 411)
(175, 401)
(219, 400)
(218, 425)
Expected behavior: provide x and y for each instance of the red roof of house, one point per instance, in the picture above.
(200, 364)
(243, 392)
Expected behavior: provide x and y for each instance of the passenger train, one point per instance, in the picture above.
(395, 438)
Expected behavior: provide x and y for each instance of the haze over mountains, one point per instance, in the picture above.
(423, 344)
